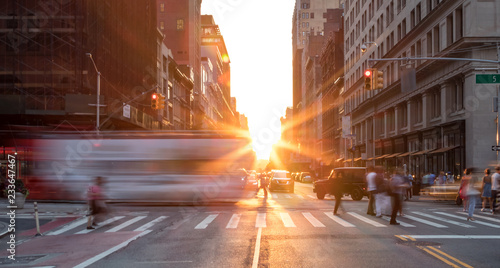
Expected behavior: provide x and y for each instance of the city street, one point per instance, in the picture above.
(284, 230)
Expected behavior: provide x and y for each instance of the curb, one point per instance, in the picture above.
(4, 229)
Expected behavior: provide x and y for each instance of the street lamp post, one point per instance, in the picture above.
(98, 91)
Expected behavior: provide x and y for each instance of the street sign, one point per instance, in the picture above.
(495, 147)
(487, 78)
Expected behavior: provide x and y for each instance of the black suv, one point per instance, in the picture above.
(352, 181)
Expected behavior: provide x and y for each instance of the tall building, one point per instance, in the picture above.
(439, 118)
(49, 81)
(332, 66)
(307, 41)
(214, 48)
(180, 23)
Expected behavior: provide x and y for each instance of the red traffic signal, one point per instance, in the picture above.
(154, 101)
(368, 73)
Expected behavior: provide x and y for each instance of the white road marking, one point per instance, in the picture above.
(452, 236)
(299, 196)
(404, 224)
(101, 224)
(287, 220)
(261, 220)
(339, 220)
(125, 224)
(287, 196)
(206, 221)
(275, 196)
(463, 218)
(443, 219)
(482, 217)
(359, 217)
(311, 196)
(149, 224)
(257, 249)
(233, 222)
(69, 226)
(110, 251)
(437, 225)
(313, 220)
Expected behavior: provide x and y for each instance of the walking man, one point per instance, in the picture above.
(372, 189)
(495, 180)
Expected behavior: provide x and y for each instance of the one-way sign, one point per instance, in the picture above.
(495, 147)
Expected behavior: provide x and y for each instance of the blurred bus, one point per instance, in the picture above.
(196, 166)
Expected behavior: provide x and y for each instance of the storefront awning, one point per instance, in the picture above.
(339, 160)
(382, 156)
(422, 152)
(443, 150)
(357, 159)
(348, 160)
(392, 155)
(405, 154)
(369, 159)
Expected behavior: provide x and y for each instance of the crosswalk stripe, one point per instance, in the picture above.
(311, 196)
(287, 220)
(261, 220)
(339, 220)
(149, 224)
(482, 217)
(69, 226)
(437, 225)
(125, 224)
(443, 219)
(101, 224)
(402, 223)
(233, 222)
(372, 222)
(299, 196)
(313, 220)
(463, 218)
(288, 196)
(204, 224)
(275, 196)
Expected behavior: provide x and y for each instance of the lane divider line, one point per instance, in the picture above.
(449, 257)
(257, 249)
(439, 257)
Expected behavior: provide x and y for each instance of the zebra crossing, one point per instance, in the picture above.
(279, 219)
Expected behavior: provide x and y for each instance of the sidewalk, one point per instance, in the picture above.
(46, 208)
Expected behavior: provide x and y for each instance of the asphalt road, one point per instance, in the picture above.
(292, 230)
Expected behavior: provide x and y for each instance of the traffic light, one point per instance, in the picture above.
(368, 79)
(378, 79)
(161, 101)
(154, 101)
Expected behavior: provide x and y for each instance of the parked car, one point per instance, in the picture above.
(305, 177)
(281, 180)
(252, 181)
(352, 180)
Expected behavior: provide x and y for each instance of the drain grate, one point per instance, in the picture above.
(20, 259)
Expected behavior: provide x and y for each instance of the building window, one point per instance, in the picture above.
(162, 7)
(457, 95)
(312, 15)
(436, 103)
(162, 25)
(180, 24)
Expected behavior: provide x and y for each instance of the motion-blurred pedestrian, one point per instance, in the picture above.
(486, 190)
(471, 193)
(96, 206)
(381, 190)
(263, 183)
(337, 191)
(396, 185)
(495, 183)
(372, 190)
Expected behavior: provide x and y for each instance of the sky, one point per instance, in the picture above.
(258, 37)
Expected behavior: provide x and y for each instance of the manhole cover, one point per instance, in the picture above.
(20, 259)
